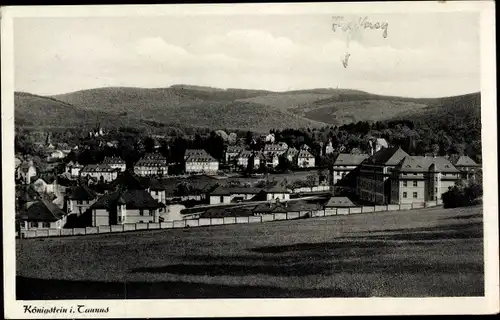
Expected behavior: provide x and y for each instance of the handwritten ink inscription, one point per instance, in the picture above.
(362, 23)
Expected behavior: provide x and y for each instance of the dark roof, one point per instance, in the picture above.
(42, 210)
(423, 163)
(130, 181)
(216, 212)
(223, 190)
(113, 160)
(305, 154)
(134, 199)
(27, 193)
(387, 156)
(465, 161)
(270, 207)
(82, 192)
(350, 159)
(98, 168)
(301, 205)
(339, 202)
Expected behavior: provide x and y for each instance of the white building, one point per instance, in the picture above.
(26, 171)
(115, 163)
(74, 168)
(200, 162)
(98, 171)
(152, 165)
(345, 163)
(305, 159)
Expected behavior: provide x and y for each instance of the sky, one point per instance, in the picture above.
(422, 55)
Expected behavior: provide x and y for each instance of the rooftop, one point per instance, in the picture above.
(423, 163)
(133, 199)
(350, 159)
(43, 211)
(339, 202)
(387, 156)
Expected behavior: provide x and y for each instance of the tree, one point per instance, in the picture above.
(311, 180)
(149, 144)
(284, 163)
(248, 138)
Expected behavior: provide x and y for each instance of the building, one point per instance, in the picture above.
(41, 214)
(228, 195)
(277, 193)
(419, 179)
(73, 168)
(99, 172)
(373, 181)
(339, 202)
(344, 164)
(271, 160)
(245, 157)
(200, 162)
(232, 153)
(125, 206)
(329, 147)
(80, 200)
(26, 171)
(468, 168)
(272, 149)
(115, 163)
(153, 164)
(305, 159)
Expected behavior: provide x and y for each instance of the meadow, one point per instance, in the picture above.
(421, 253)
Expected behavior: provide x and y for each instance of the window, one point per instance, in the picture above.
(46, 225)
(415, 195)
(221, 199)
(156, 193)
(80, 209)
(436, 190)
(141, 212)
(414, 173)
(34, 224)
(404, 194)
(79, 202)
(405, 183)
(436, 179)
(119, 219)
(151, 212)
(415, 183)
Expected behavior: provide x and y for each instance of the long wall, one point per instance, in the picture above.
(204, 222)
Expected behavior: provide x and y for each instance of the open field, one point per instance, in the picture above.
(428, 252)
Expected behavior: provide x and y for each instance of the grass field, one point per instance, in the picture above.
(428, 252)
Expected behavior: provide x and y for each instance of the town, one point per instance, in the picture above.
(232, 177)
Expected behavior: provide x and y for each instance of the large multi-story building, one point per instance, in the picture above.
(153, 164)
(344, 164)
(305, 159)
(198, 161)
(419, 179)
(99, 171)
(232, 153)
(373, 181)
(115, 163)
(275, 149)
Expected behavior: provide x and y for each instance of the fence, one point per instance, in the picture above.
(38, 233)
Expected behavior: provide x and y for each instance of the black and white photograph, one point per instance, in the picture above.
(213, 155)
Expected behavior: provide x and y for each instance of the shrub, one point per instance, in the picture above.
(462, 195)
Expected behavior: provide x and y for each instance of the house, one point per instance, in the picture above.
(200, 162)
(344, 164)
(26, 171)
(115, 163)
(125, 206)
(80, 200)
(269, 208)
(73, 168)
(247, 156)
(377, 144)
(152, 165)
(46, 183)
(277, 193)
(131, 181)
(271, 160)
(228, 195)
(305, 159)
(467, 167)
(275, 149)
(99, 172)
(419, 179)
(231, 153)
(41, 214)
(373, 181)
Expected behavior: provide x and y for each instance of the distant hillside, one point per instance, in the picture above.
(257, 110)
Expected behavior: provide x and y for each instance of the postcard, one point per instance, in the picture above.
(214, 160)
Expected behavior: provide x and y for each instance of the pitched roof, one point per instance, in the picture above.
(423, 163)
(43, 211)
(245, 154)
(305, 154)
(223, 190)
(151, 163)
(98, 168)
(130, 181)
(350, 159)
(154, 156)
(200, 158)
(387, 156)
(270, 207)
(82, 192)
(27, 193)
(234, 149)
(274, 147)
(113, 160)
(339, 202)
(466, 161)
(133, 199)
